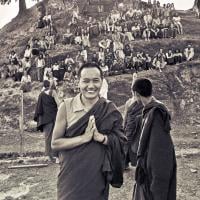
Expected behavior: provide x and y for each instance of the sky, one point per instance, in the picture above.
(7, 12)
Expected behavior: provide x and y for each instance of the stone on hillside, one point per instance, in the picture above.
(32, 29)
(182, 104)
(193, 170)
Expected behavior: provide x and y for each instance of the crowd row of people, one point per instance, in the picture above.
(150, 22)
(111, 62)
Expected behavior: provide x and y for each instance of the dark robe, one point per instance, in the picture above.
(87, 170)
(46, 110)
(156, 163)
(132, 131)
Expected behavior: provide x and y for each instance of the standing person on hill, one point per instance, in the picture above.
(45, 114)
(132, 124)
(40, 64)
(156, 162)
(88, 136)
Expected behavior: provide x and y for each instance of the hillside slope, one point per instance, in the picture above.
(177, 86)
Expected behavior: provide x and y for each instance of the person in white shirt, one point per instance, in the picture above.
(55, 70)
(189, 53)
(40, 64)
(26, 82)
(104, 43)
(26, 63)
(84, 53)
(28, 52)
(177, 21)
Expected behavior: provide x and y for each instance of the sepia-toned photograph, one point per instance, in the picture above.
(99, 99)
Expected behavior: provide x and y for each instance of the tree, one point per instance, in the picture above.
(197, 4)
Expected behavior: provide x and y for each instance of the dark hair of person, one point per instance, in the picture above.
(90, 65)
(46, 84)
(143, 87)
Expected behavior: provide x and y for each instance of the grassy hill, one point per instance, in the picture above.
(177, 85)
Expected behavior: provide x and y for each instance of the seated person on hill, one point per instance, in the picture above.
(47, 19)
(51, 78)
(77, 39)
(68, 37)
(101, 26)
(136, 31)
(156, 21)
(50, 40)
(40, 23)
(62, 70)
(109, 57)
(110, 24)
(28, 51)
(103, 67)
(146, 33)
(147, 61)
(155, 32)
(147, 19)
(119, 54)
(26, 82)
(178, 56)
(43, 44)
(94, 58)
(34, 44)
(26, 64)
(189, 53)
(137, 61)
(101, 55)
(177, 22)
(13, 57)
(68, 76)
(85, 38)
(128, 33)
(130, 13)
(159, 60)
(166, 26)
(47, 71)
(69, 60)
(117, 66)
(104, 43)
(170, 57)
(55, 70)
(11, 70)
(127, 50)
(84, 54)
(79, 59)
(18, 72)
(93, 29)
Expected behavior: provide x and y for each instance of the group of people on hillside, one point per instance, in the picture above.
(124, 60)
(91, 141)
(151, 21)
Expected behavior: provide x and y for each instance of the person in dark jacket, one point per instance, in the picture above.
(132, 123)
(156, 162)
(45, 114)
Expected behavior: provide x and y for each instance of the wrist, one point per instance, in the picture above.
(83, 139)
(104, 139)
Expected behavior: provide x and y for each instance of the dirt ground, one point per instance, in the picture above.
(40, 183)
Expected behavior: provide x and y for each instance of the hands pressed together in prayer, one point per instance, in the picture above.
(91, 132)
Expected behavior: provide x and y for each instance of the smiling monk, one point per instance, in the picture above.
(89, 137)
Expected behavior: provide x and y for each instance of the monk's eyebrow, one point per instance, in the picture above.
(88, 79)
